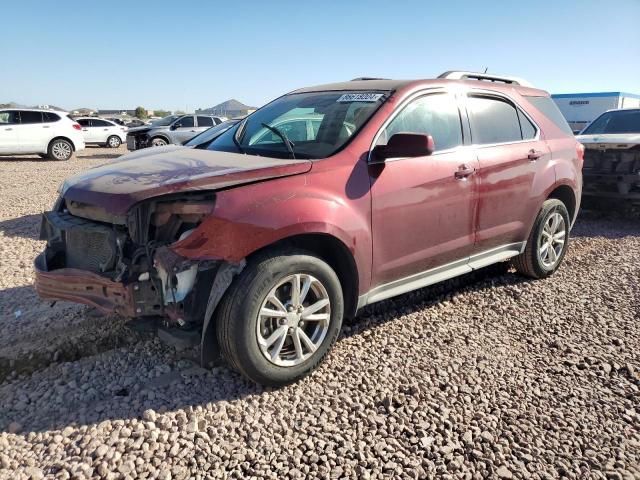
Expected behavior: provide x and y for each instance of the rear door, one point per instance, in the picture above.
(204, 123)
(423, 207)
(510, 153)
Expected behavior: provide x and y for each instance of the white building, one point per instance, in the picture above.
(580, 109)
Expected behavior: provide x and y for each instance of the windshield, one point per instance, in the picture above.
(210, 134)
(316, 124)
(166, 121)
(620, 121)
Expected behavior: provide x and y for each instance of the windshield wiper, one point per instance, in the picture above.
(235, 136)
(284, 138)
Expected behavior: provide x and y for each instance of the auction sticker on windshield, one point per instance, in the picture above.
(360, 97)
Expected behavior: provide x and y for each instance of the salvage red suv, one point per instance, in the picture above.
(325, 200)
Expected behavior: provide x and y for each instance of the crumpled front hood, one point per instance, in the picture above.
(117, 186)
(629, 139)
(140, 129)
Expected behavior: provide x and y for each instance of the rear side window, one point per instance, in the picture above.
(27, 117)
(493, 120)
(436, 115)
(49, 117)
(100, 123)
(83, 122)
(550, 110)
(205, 122)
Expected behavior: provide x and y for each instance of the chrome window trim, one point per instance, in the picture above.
(493, 93)
(414, 96)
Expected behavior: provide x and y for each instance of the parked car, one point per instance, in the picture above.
(118, 121)
(99, 131)
(612, 156)
(136, 122)
(257, 248)
(50, 134)
(175, 129)
(200, 141)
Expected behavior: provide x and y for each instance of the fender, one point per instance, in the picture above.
(250, 217)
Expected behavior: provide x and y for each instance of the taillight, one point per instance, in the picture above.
(580, 151)
(77, 126)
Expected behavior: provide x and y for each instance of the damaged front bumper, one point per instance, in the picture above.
(611, 173)
(98, 264)
(84, 287)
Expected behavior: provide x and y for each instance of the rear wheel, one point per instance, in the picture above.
(547, 242)
(114, 141)
(280, 317)
(158, 142)
(60, 149)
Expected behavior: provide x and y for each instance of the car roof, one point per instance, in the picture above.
(394, 85)
(59, 112)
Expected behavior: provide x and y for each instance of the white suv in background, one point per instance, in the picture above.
(102, 132)
(47, 133)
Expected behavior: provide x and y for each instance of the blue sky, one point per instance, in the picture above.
(184, 54)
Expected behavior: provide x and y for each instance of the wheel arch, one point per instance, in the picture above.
(159, 135)
(566, 195)
(61, 137)
(335, 253)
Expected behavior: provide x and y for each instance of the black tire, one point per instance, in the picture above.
(60, 149)
(158, 142)
(237, 315)
(113, 141)
(530, 262)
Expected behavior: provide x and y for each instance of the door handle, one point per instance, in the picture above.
(45, 126)
(464, 171)
(8, 129)
(105, 129)
(534, 155)
(85, 130)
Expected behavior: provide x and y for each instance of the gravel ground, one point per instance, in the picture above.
(487, 376)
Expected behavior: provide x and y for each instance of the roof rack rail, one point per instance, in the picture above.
(488, 77)
(367, 78)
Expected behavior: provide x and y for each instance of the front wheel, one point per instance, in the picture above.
(548, 241)
(158, 142)
(114, 141)
(280, 317)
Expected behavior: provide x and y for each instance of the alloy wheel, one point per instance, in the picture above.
(61, 150)
(293, 320)
(552, 239)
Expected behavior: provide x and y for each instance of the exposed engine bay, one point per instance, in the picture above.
(134, 252)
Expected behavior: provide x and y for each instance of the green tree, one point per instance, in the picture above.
(141, 112)
(161, 113)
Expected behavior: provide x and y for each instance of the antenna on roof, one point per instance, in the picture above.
(485, 69)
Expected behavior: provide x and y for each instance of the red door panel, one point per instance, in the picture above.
(505, 197)
(423, 214)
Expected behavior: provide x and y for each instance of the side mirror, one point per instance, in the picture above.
(402, 145)
(176, 125)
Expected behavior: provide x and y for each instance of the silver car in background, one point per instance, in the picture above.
(174, 129)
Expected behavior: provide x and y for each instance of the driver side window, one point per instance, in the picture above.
(185, 122)
(436, 115)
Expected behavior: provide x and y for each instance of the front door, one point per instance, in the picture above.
(423, 207)
(31, 132)
(185, 130)
(9, 142)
